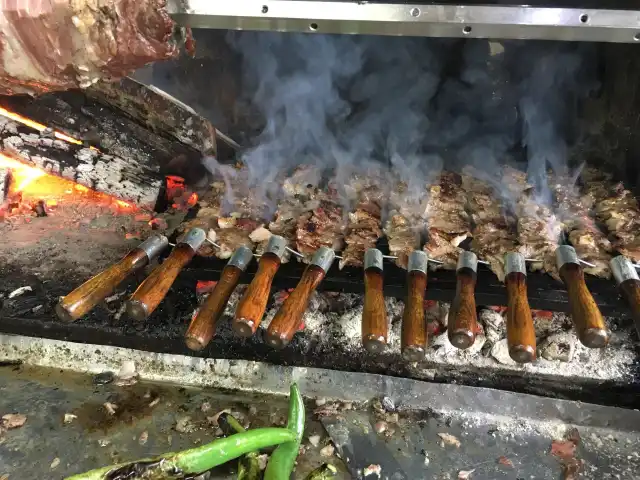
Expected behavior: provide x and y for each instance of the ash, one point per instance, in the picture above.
(333, 322)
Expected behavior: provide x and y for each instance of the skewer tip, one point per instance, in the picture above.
(243, 327)
(194, 343)
(137, 310)
(62, 313)
(374, 343)
(413, 353)
(522, 353)
(462, 338)
(596, 338)
(275, 340)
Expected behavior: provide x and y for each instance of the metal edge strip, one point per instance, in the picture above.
(483, 404)
(475, 21)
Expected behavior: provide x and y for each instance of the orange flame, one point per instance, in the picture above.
(22, 174)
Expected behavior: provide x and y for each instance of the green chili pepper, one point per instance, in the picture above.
(323, 472)
(284, 456)
(248, 466)
(196, 460)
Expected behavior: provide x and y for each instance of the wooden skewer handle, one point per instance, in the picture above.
(203, 325)
(414, 327)
(521, 335)
(287, 321)
(586, 316)
(154, 288)
(631, 290)
(463, 318)
(93, 291)
(375, 328)
(253, 303)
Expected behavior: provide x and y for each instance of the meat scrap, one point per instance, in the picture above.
(449, 223)
(364, 226)
(574, 210)
(494, 230)
(69, 44)
(538, 229)
(617, 208)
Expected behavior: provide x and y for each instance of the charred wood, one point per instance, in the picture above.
(123, 178)
(112, 131)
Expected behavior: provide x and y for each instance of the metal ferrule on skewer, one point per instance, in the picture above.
(566, 254)
(418, 261)
(514, 262)
(373, 258)
(323, 258)
(277, 245)
(622, 269)
(194, 238)
(467, 259)
(154, 245)
(241, 258)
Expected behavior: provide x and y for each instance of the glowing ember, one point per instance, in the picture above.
(29, 185)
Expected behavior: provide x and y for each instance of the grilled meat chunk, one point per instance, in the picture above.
(365, 224)
(494, 230)
(590, 242)
(538, 228)
(449, 223)
(617, 208)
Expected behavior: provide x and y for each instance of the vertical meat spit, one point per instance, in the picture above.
(375, 328)
(80, 301)
(203, 324)
(463, 318)
(253, 303)
(521, 337)
(154, 288)
(585, 314)
(628, 281)
(289, 317)
(414, 327)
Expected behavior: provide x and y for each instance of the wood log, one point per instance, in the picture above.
(159, 111)
(5, 182)
(123, 178)
(114, 131)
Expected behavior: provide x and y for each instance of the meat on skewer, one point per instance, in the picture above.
(538, 229)
(407, 220)
(364, 226)
(231, 214)
(494, 231)
(449, 222)
(590, 243)
(323, 226)
(617, 208)
(299, 197)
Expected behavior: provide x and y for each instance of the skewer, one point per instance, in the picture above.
(586, 316)
(80, 301)
(414, 327)
(463, 318)
(253, 303)
(288, 319)
(154, 288)
(521, 337)
(627, 279)
(203, 325)
(375, 328)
